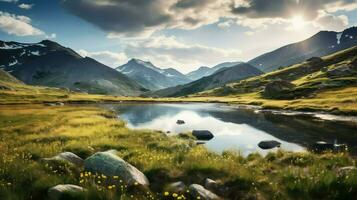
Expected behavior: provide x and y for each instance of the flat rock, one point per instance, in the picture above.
(177, 187)
(197, 190)
(202, 134)
(268, 144)
(66, 191)
(68, 157)
(109, 164)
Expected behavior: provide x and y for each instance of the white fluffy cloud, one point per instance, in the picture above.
(18, 25)
(26, 6)
(169, 52)
(108, 58)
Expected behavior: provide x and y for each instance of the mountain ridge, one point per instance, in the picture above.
(320, 44)
(33, 63)
(150, 76)
(229, 74)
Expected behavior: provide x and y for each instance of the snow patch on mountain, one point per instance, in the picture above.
(338, 37)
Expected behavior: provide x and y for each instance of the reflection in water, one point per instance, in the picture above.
(237, 128)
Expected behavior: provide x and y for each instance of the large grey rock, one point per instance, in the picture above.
(343, 70)
(64, 192)
(177, 187)
(197, 190)
(68, 157)
(202, 134)
(109, 164)
(277, 88)
(269, 144)
(215, 186)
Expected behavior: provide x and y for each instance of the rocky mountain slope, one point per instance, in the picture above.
(321, 44)
(222, 77)
(206, 71)
(49, 64)
(305, 80)
(150, 76)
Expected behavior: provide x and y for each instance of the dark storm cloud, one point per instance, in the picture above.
(128, 16)
(134, 16)
(283, 8)
(192, 3)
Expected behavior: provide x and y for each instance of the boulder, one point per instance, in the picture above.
(180, 122)
(202, 134)
(215, 186)
(277, 89)
(68, 157)
(177, 187)
(109, 164)
(197, 190)
(269, 144)
(322, 146)
(64, 192)
(314, 59)
(342, 71)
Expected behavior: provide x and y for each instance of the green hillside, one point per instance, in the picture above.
(323, 83)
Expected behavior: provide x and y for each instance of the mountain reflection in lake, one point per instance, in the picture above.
(236, 127)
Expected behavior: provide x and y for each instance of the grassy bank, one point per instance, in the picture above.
(29, 133)
(337, 101)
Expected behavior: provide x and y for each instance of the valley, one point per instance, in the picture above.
(74, 128)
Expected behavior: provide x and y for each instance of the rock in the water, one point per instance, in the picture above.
(68, 157)
(269, 144)
(322, 146)
(177, 187)
(199, 191)
(64, 192)
(180, 122)
(277, 89)
(109, 164)
(202, 134)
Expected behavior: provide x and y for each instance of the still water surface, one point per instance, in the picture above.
(241, 128)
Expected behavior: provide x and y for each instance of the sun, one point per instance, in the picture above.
(297, 22)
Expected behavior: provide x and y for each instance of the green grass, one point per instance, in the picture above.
(29, 133)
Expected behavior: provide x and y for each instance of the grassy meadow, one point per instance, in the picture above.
(29, 133)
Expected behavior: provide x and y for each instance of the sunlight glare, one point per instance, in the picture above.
(298, 22)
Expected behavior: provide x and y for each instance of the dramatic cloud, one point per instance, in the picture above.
(288, 8)
(108, 58)
(330, 22)
(140, 18)
(135, 17)
(169, 52)
(18, 25)
(26, 6)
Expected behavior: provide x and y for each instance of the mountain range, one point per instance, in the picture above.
(206, 71)
(320, 44)
(49, 64)
(150, 76)
(220, 78)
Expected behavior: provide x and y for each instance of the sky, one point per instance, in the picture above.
(182, 34)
